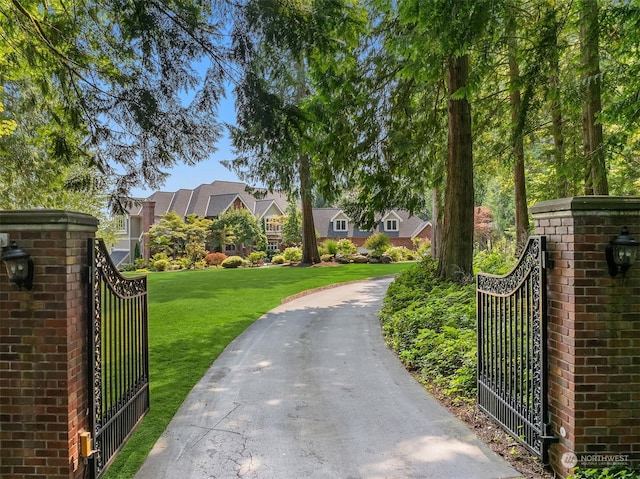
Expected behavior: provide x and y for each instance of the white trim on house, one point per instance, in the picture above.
(340, 225)
(339, 213)
(420, 229)
(232, 202)
(340, 217)
(391, 224)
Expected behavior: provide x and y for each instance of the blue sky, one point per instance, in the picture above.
(189, 177)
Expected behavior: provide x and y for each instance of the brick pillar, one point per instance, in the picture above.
(148, 219)
(594, 332)
(43, 347)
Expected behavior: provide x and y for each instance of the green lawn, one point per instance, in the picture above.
(194, 315)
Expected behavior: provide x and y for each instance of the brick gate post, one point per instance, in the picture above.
(43, 347)
(593, 332)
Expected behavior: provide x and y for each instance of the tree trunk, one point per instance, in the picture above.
(435, 223)
(596, 176)
(309, 242)
(562, 183)
(517, 126)
(456, 247)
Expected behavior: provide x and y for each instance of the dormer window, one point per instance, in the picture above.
(340, 225)
(391, 225)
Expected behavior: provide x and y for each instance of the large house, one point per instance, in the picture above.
(213, 199)
(401, 228)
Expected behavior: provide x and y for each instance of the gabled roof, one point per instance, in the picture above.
(209, 200)
(391, 213)
(262, 206)
(213, 199)
(323, 220)
(420, 228)
(340, 213)
(179, 203)
(408, 226)
(200, 199)
(219, 204)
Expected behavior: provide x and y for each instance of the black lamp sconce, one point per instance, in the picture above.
(621, 253)
(18, 263)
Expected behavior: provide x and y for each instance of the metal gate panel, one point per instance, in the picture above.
(119, 365)
(512, 348)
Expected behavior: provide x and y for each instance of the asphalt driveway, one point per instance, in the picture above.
(310, 390)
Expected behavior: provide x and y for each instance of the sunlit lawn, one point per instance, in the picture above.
(194, 315)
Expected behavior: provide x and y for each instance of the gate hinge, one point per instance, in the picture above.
(547, 437)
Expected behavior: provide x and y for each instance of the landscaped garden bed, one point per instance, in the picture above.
(431, 325)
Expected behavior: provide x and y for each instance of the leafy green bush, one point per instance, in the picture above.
(493, 262)
(292, 254)
(447, 357)
(447, 304)
(410, 286)
(326, 257)
(329, 246)
(278, 259)
(161, 264)
(378, 243)
(606, 473)
(401, 253)
(184, 262)
(159, 256)
(232, 262)
(423, 247)
(345, 247)
(257, 257)
(430, 323)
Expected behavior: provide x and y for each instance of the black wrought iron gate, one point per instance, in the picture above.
(119, 367)
(512, 346)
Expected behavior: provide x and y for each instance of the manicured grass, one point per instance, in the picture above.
(194, 315)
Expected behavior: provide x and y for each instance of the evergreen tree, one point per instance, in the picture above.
(106, 82)
(283, 48)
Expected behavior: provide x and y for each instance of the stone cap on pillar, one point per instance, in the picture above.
(591, 203)
(41, 219)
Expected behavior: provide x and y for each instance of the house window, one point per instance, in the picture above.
(119, 223)
(273, 225)
(391, 225)
(340, 225)
(272, 246)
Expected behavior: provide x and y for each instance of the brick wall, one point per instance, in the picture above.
(43, 337)
(593, 328)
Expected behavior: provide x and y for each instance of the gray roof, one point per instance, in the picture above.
(218, 204)
(408, 226)
(211, 199)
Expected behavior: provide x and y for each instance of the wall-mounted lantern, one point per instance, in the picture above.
(621, 253)
(19, 266)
